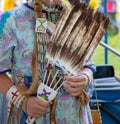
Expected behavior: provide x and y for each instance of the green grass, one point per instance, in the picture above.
(114, 42)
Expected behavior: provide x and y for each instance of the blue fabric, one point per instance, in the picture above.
(114, 108)
(26, 4)
(24, 117)
(27, 80)
(3, 109)
(3, 72)
(106, 119)
(106, 96)
(108, 100)
(3, 21)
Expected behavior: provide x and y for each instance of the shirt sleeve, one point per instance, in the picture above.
(7, 42)
(91, 65)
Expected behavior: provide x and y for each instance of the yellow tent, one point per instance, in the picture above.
(8, 4)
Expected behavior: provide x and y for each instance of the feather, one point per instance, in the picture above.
(74, 34)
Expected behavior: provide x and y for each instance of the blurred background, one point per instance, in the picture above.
(9, 4)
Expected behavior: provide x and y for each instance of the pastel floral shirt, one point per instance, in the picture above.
(17, 38)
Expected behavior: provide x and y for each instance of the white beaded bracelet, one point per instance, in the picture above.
(15, 97)
(12, 93)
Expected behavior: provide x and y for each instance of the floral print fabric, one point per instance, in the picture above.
(17, 38)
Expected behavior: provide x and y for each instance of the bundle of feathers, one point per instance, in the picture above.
(77, 34)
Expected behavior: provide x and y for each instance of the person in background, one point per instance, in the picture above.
(17, 39)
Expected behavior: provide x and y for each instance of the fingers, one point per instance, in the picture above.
(76, 81)
(42, 103)
(75, 78)
(75, 84)
(74, 91)
(38, 111)
(37, 107)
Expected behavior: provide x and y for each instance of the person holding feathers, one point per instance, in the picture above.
(17, 48)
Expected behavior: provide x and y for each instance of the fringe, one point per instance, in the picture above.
(52, 112)
(83, 98)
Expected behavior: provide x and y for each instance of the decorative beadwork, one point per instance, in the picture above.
(15, 97)
(41, 25)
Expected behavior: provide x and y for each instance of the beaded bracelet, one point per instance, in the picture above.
(15, 97)
(88, 77)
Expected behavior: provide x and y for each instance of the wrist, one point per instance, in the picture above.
(87, 76)
(15, 97)
(12, 93)
(24, 105)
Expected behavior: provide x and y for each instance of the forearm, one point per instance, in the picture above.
(5, 83)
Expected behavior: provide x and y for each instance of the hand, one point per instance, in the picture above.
(35, 107)
(117, 78)
(75, 84)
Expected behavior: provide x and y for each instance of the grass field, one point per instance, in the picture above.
(114, 42)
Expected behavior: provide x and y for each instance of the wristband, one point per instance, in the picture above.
(15, 97)
(88, 77)
(12, 94)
